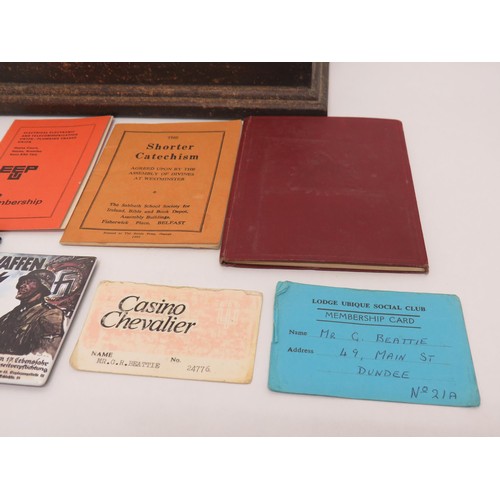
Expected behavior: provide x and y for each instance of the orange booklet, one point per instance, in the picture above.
(43, 168)
(161, 184)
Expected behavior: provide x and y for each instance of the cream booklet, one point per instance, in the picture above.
(178, 332)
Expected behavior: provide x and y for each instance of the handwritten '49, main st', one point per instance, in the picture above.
(374, 346)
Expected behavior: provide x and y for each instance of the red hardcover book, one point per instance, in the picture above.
(323, 193)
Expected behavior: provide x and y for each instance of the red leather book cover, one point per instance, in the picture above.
(325, 193)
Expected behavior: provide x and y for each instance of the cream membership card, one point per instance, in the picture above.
(177, 332)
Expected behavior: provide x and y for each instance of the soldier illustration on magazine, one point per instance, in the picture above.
(34, 325)
(38, 297)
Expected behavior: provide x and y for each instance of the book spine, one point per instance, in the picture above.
(234, 188)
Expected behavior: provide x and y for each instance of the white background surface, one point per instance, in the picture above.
(451, 116)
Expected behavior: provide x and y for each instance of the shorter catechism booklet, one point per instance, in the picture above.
(175, 332)
(39, 295)
(44, 164)
(378, 345)
(159, 184)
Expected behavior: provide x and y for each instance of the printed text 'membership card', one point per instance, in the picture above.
(388, 346)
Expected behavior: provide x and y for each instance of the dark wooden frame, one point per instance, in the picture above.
(20, 93)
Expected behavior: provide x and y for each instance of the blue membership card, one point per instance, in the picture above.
(377, 345)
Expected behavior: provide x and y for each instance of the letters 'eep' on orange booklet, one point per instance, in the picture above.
(163, 184)
(44, 164)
